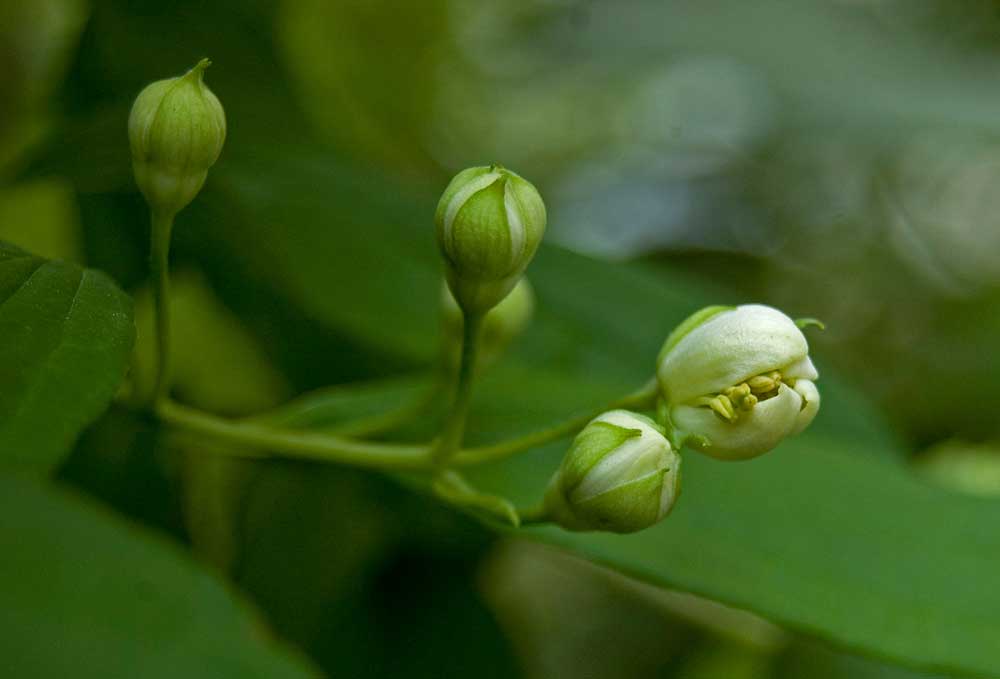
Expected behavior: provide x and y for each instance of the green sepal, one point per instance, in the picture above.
(589, 447)
(619, 511)
(803, 323)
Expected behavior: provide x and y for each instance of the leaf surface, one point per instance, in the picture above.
(86, 594)
(66, 334)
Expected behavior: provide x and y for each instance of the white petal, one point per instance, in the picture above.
(810, 404)
(515, 225)
(728, 349)
(801, 369)
(637, 457)
(462, 196)
(671, 486)
(753, 434)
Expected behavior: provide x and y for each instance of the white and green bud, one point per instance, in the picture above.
(502, 324)
(176, 131)
(736, 381)
(489, 223)
(620, 475)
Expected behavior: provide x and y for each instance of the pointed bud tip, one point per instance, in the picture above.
(198, 72)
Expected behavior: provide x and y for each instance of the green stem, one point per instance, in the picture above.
(159, 255)
(641, 399)
(454, 426)
(331, 448)
(297, 444)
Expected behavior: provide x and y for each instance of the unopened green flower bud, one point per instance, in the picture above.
(620, 475)
(502, 324)
(738, 380)
(176, 131)
(489, 224)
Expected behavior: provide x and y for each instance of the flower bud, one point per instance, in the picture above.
(489, 224)
(620, 475)
(176, 131)
(502, 324)
(738, 380)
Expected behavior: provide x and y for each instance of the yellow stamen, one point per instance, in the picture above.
(723, 407)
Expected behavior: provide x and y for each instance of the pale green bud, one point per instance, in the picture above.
(737, 381)
(620, 475)
(489, 224)
(502, 324)
(176, 131)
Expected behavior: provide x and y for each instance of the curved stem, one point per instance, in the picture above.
(641, 399)
(159, 255)
(297, 444)
(454, 425)
(264, 440)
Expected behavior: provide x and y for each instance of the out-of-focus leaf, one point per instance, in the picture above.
(358, 573)
(384, 102)
(38, 38)
(327, 408)
(66, 334)
(217, 364)
(85, 594)
(809, 659)
(367, 267)
(41, 217)
(604, 630)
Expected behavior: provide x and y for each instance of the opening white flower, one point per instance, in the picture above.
(738, 380)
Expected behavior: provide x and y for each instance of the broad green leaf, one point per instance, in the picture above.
(66, 334)
(827, 535)
(804, 659)
(820, 535)
(85, 594)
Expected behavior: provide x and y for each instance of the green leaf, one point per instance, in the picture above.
(820, 535)
(85, 594)
(66, 335)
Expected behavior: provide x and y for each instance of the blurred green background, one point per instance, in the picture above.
(837, 159)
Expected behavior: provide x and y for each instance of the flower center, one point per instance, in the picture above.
(743, 397)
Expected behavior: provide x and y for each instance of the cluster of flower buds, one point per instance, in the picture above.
(176, 130)
(733, 381)
(490, 222)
